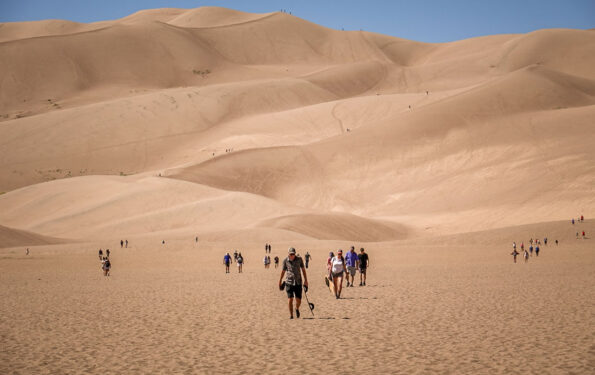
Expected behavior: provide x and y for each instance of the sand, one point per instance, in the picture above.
(245, 129)
(172, 309)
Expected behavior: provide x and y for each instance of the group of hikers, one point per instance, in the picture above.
(527, 254)
(106, 264)
(347, 265)
(237, 257)
(294, 279)
(579, 219)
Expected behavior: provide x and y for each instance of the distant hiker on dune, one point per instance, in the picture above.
(121, 243)
(227, 261)
(364, 263)
(106, 265)
(526, 256)
(101, 252)
(514, 254)
(240, 263)
(307, 257)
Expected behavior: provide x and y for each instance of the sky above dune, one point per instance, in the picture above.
(431, 21)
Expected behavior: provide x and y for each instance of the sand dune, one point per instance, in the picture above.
(10, 237)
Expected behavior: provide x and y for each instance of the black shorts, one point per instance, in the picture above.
(362, 270)
(294, 290)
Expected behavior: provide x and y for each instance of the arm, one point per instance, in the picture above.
(281, 278)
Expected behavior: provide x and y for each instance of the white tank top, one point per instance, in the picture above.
(337, 265)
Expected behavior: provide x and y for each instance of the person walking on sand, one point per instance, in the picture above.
(276, 261)
(100, 254)
(107, 253)
(537, 250)
(531, 250)
(331, 255)
(240, 262)
(337, 270)
(526, 256)
(351, 260)
(121, 243)
(292, 265)
(582, 218)
(514, 246)
(235, 256)
(307, 256)
(514, 254)
(572, 221)
(583, 235)
(265, 262)
(227, 262)
(364, 263)
(106, 265)
(126, 243)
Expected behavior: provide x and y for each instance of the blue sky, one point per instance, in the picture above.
(422, 20)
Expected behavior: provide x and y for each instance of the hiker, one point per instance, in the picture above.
(227, 261)
(577, 235)
(121, 243)
(556, 242)
(582, 218)
(514, 246)
(337, 270)
(545, 241)
(235, 256)
(266, 248)
(531, 241)
(106, 266)
(514, 254)
(537, 250)
(100, 254)
(351, 260)
(583, 235)
(126, 242)
(276, 261)
(328, 264)
(522, 246)
(572, 221)
(195, 239)
(364, 263)
(240, 263)
(163, 242)
(292, 265)
(27, 252)
(531, 250)
(526, 256)
(265, 262)
(107, 253)
(308, 256)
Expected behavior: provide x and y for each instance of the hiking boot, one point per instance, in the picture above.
(348, 284)
(297, 313)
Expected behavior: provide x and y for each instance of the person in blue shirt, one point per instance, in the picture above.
(351, 261)
(227, 262)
